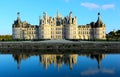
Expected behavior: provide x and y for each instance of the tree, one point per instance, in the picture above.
(5, 37)
(118, 34)
(113, 35)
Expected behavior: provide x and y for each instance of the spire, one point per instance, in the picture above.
(39, 18)
(99, 22)
(99, 16)
(45, 17)
(70, 14)
(18, 17)
(18, 13)
(45, 14)
(57, 13)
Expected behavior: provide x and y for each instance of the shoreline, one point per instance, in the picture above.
(59, 51)
(60, 45)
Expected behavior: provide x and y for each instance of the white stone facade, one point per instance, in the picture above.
(58, 27)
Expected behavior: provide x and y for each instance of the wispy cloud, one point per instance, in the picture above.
(66, 0)
(108, 6)
(90, 5)
(96, 6)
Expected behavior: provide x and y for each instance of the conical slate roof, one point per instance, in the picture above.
(99, 22)
(18, 21)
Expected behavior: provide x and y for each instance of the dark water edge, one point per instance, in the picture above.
(60, 51)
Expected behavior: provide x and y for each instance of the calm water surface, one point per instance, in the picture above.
(59, 65)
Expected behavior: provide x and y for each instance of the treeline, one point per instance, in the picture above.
(5, 37)
(113, 35)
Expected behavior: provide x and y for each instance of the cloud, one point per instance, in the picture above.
(96, 6)
(90, 5)
(108, 6)
(66, 0)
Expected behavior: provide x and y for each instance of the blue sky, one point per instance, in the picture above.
(85, 10)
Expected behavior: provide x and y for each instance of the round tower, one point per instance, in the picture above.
(99, 28)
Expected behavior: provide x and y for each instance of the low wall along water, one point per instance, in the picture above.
(59, 45)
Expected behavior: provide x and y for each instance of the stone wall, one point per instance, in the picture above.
(45, 45)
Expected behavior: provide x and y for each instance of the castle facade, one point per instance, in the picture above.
(58, 27)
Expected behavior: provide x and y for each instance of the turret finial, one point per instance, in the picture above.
(18, 14)
(98, 16)
(98, 13)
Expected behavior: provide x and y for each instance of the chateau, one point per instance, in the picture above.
(58, 27)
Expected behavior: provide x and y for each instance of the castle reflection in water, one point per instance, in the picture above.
(58, 60)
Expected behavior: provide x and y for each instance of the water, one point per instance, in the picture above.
(37, 64)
